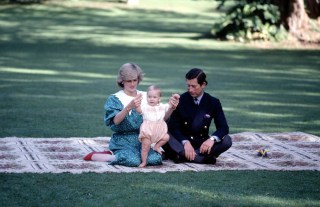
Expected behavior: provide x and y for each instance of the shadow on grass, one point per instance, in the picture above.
(190, 189)
(58, 65)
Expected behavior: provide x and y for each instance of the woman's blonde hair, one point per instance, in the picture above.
(129, 71)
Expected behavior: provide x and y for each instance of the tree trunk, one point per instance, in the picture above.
(313, 8)
(293, 15)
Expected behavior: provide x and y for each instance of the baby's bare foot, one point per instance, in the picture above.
(158, 150)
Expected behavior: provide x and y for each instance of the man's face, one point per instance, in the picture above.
(194, 88)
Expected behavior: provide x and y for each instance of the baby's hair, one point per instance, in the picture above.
(154, 87)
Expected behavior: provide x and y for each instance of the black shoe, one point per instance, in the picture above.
(178, 159)
(210, 160)
(163, 156)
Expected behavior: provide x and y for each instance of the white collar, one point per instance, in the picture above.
(125, 99)
(199, 98)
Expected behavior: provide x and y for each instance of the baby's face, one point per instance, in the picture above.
(153, 97)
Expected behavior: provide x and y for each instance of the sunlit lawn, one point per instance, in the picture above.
(224, 188)
(58, 63)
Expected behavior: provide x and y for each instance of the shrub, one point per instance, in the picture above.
(21, 1)
(250, 20)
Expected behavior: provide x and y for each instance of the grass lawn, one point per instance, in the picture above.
(224, 188)
(58, 64)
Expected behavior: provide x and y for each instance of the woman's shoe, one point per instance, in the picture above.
(89, 156)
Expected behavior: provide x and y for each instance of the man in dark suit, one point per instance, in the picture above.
(190, 122)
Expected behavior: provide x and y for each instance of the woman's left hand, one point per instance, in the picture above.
(136, 102)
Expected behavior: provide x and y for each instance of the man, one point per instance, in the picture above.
(190, 122)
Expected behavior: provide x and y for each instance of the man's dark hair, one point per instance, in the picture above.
(197, 73)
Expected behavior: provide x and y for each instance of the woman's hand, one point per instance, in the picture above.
(136, 102)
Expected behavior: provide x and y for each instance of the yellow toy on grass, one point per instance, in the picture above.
(262, 152)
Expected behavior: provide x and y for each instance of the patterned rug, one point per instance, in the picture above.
(284, 151)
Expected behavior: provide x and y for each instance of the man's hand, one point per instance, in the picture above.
(206, 146)
(174, 100)
(189, 151)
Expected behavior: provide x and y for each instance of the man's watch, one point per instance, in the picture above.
(214, 138)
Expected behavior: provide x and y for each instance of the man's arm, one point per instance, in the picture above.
(220, 122)
(174, 125)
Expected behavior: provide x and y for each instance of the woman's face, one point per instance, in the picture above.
(130, 86)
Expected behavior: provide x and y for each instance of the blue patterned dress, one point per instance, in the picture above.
(124, 141)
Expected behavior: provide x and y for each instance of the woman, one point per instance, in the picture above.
(123, 119)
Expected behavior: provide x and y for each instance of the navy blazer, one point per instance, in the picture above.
(192, 122)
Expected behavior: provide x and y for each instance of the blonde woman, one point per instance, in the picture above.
(124, 120)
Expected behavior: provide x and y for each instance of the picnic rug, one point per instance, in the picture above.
(284, 151)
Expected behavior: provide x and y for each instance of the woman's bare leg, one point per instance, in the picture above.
(145, 147)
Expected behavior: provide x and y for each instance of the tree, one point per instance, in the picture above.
(313, 8)
(294, 15)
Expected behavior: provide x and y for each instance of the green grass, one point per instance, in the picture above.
(58, 63)
(224, 188)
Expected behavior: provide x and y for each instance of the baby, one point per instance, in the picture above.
(154, 129)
